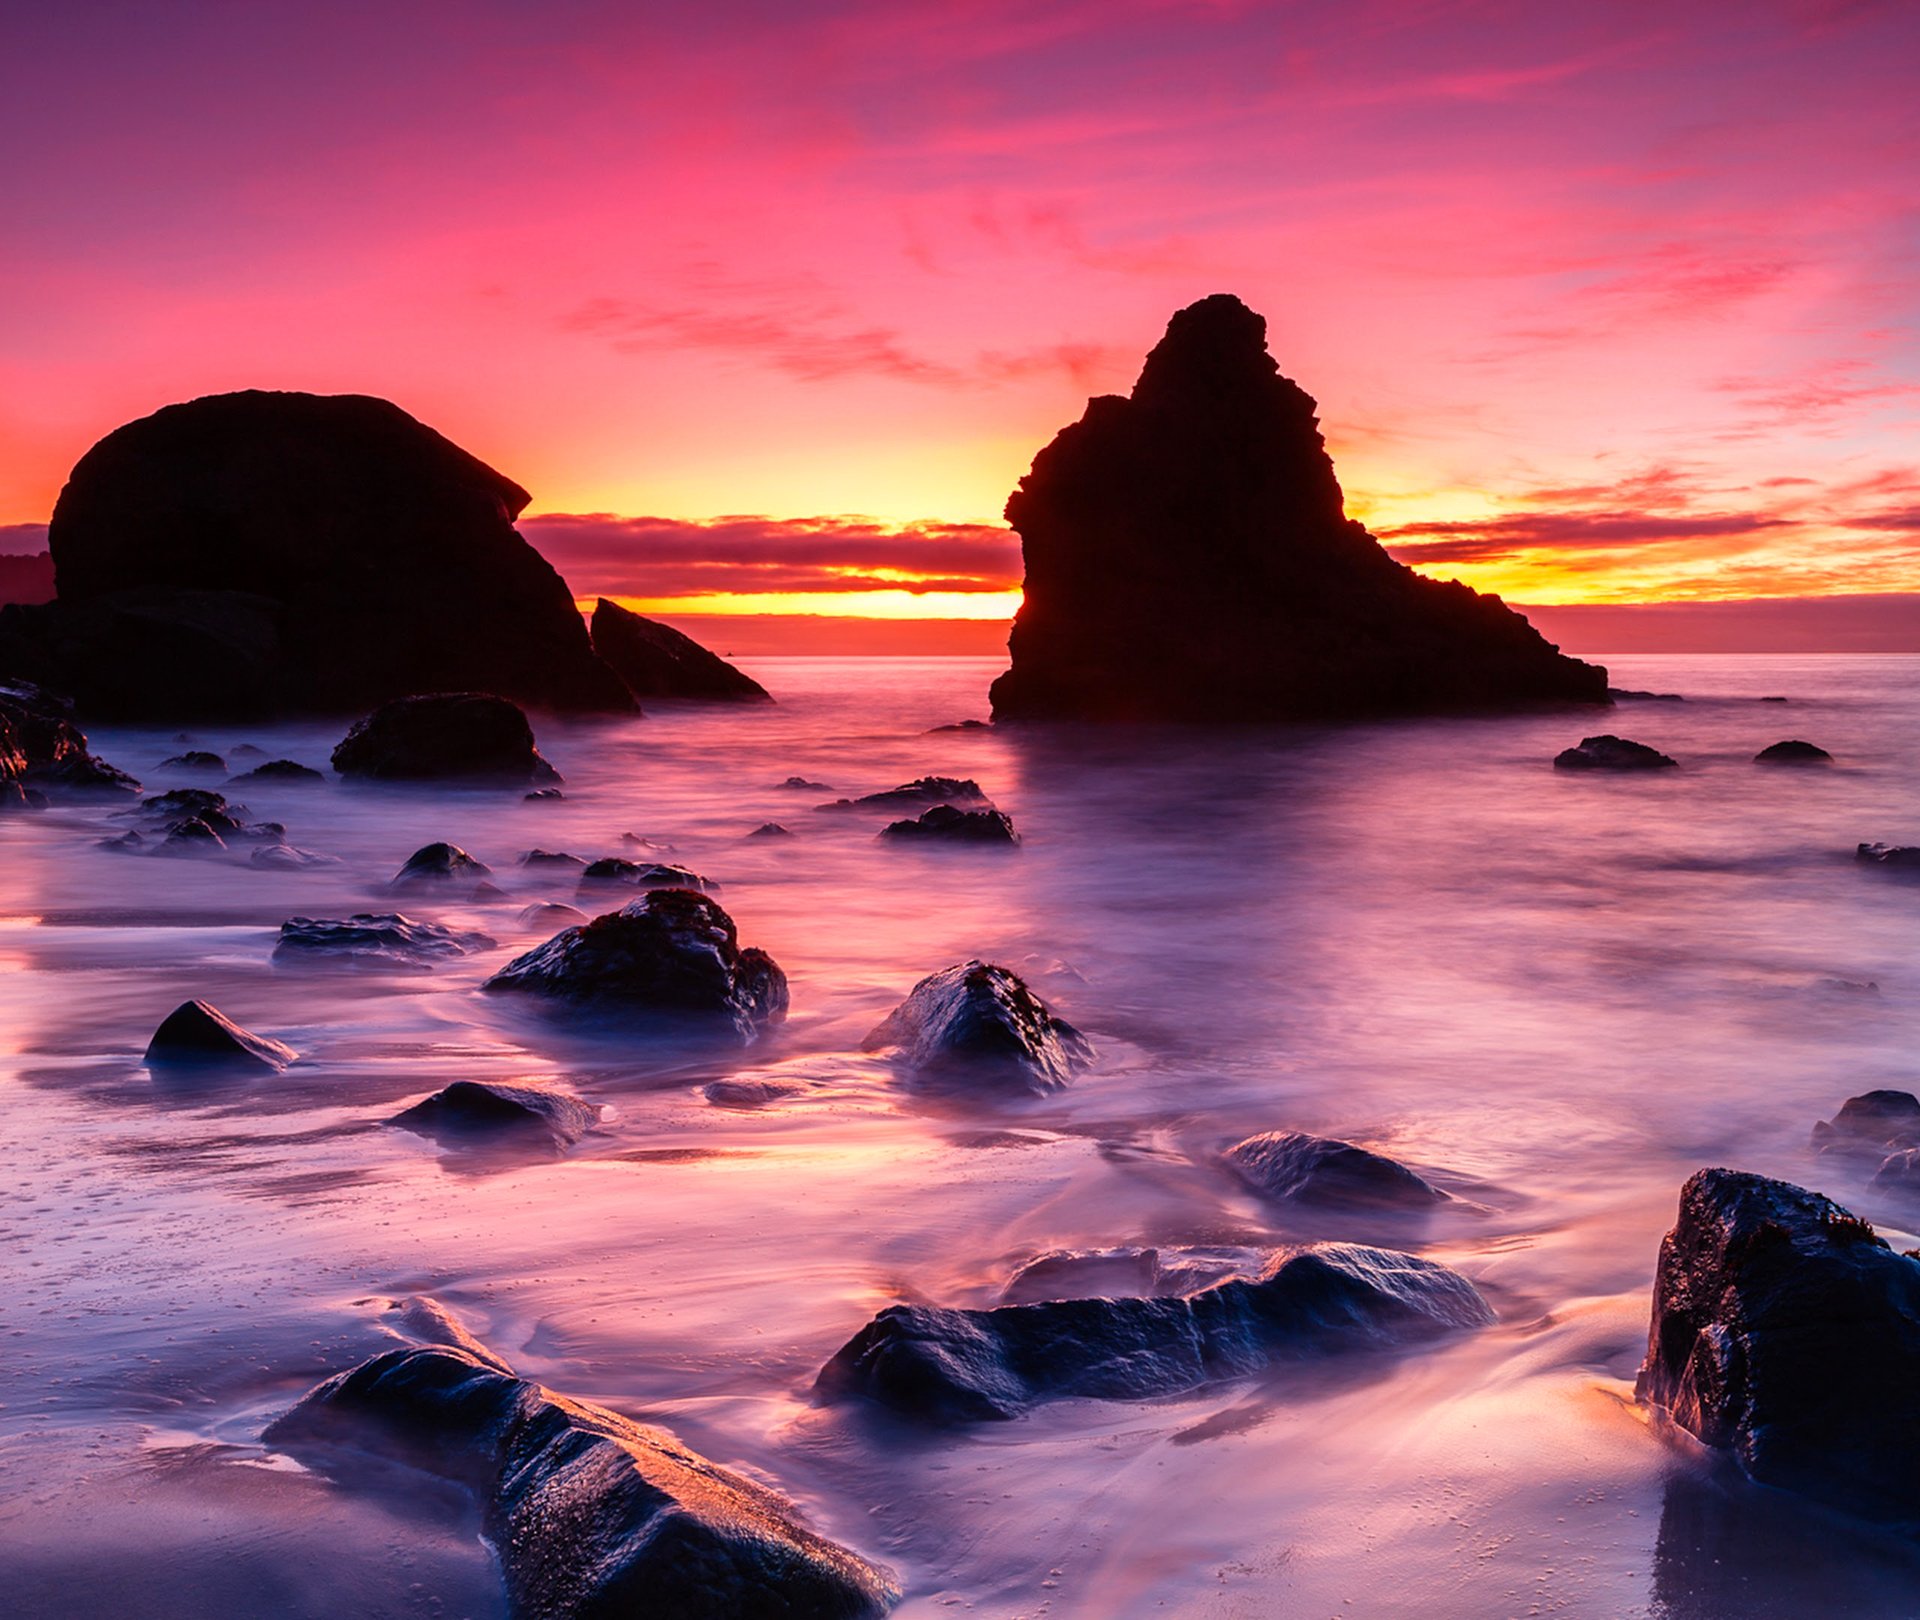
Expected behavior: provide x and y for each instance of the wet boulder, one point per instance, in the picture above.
(192, 836)
(550, 914)
(196, 1035)
(1894, 857)
(291, 858)
(279, 773)
(545, 795)
(671, 954)
(195, 759)
(978, 1365)
(613, 872)
(1787, 1333)
(41, 747)
(443, 737)
(921, 792)
(658, 661)
(471, 1112)
(1164, 1270)
(1291, 1167)
(549, 859)
(1899, 1174)
(1792, 752)
(592, 1515)
(439, 866)
(1610, 753)
(978, 1023)
(1870, 1124)
(385, 938)
(944, 824)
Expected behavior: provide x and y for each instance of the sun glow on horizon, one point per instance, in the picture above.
(984, 606)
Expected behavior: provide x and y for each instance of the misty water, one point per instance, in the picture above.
(1558, 994)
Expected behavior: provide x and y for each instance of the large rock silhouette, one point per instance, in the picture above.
(1188, 558)
(657, 661)
(254, 553)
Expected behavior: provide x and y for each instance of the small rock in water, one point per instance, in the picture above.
(771, 829)
(1122, 1273)
(1773, 700)
(539, 794)
(291, 858)
(1898, 1173)
(922, 790)
(945, 825)
(1610, 753)
(656, 660)
(614, 872)
(194, 760)
(801, 782)
(470, 1110)
(448, 736)
(1792, 752)
(551, 914)
(962, 725)
(244, 751)
(1870, 1124)
(1319, 1170)
(980, 1365)
(979, 1022)
(1627, 694)
(749, 1093)
(192, 836)
(385, 937)
(437, 865)
(550, 858)
(424, 1320)
(1900, 857)
(195, 1035)
(15, 796)
(279, 771)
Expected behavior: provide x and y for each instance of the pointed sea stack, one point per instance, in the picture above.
(657, 661)
(1188, 558)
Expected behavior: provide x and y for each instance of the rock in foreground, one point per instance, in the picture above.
(592, 1515)
(196, 1035)
(1319, 1170)
(1611, 753)
(972, 1366)
(1189, 558)
(657, 661)
(470, 1111)
(1787, 1333)
(672, 952)
(977, 1022)
(443, 737)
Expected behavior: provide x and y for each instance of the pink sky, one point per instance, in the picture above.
(1601, 303)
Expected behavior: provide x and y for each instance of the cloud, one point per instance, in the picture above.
(22, 539)
(1485, 539)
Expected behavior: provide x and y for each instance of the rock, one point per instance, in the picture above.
(278, 771)
(801, 782)
(290, 858)
(550, 858)
(1899, 857)
(671, 952)
(192, 837)
(1870, 1124)
(1610, 753)
(771, 829)
(195, 1035)
(1899, 1174)
(977, 1022)
(448, 736)
(1127, 1272)
(438, 866)
(1321, 1171)
(257, 553)
(1626, 694)
(424, 1320)
(15, 796)
(204, 803)
(475, 1110)
(245, 751)
(1773, 700)
(657, 661)
(551, 914)
(748, 1094)
(978, 1365)
(1792, 752)
(613, 872)
(41, 747)
(922, 790)
(946, 825)
(961, 725)
(1188, 558)
(1786, 1332)
(379, 937)
(591, 1514)
(197, 759)
(542, 795)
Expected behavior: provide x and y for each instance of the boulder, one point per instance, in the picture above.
(277, 772)
(614, 872)
(447, 736)
(256, 553)
(1786, 1333)
(1899, 1174)
(801, 783)
(1896, 857)
(374, 937)
(470, 1111)
(920, 792)
(42, 748)
(1610, 753)
(591, 1514)
(551, 914)
(1871, 1124)
(1792, 752)
(545, 795)
(291, 858)
(978, 1365)
(438, 866)
(195, 1035)
(943, 824)
(978, 1023)
(1318, 1170)
(671, 953)
(1189, 558)
(551, 858)
(1127, 1272)
(771, 829)
(195, 759)
(1628, 694)
(657, 661)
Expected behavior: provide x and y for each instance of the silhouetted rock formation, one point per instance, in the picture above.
(1786, 1332)
(196, 1035)
(657, 661)
(278, 771)
(591, 1514)
(254, 553)
(476, 1111)
(980, 1022)
(41, 747)
(195, 759)
(943, 824)
(443, 736)
(922, 790)
(1792, 752)
(1611, 753)
(972, 1366)
(1188, 557)
(1319, 1170)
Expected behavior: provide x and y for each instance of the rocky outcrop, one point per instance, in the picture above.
(257, 553)
(657, 661)
(914, 795)
(591, 1514)
(944, 824)
(198, 1036)
(1786, 1333)
(978, 1023)
(383, 938)
(443, 737)
(438, 867)
(671, 954)
(960, 1366)
(483, 1111)
(1318, 1170)
(1610, 753)
(614, 873)
(1792, 752)
(1189, 558)
(41, 747)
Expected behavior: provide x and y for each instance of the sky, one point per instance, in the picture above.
(771, 304)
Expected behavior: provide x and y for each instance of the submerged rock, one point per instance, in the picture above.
(977, 1365)
(771, 829)
(922, 790)
(476, 1110)
(1320, 1170)
(802, 783)
(196, 759)
(1127, 1272)
(1792, 752)
(1610, 753)
(551, 914)
(1899, 857)
(279, 771)
(591, 1514)
(1189, 558)
(384, 937)
(552, 858)
(943, 824)
(1871, 1123)
(1628, 694)
(196, 1035)
(545, 795)
(656, 660)
(977, 1022)
(672, 953)
(613, 872)
(1785, 1332)
(446, 736)
(437, 866)
(291, 858)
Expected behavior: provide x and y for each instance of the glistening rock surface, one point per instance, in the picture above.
(1189, 558)
(1321, 1171)
(196, 1035)
(476, 1111)
(657, 661)
(978, 1022)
